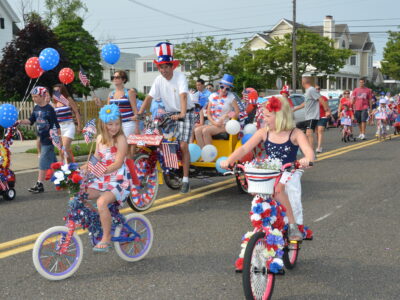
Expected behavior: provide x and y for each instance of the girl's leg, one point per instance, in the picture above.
(209, 131)
(67, 146)
(198, 132)
(105, 217)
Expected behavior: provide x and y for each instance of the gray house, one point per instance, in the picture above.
(8, 29)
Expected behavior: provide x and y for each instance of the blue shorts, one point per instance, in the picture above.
(47, 157)
(322, 122)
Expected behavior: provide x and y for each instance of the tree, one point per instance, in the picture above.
(62, 10)
(205, 56)
(81, 49)
(391, 56)
(315, 54)
(30, 41)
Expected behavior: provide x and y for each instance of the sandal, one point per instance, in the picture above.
(102, 249)
(294, 233)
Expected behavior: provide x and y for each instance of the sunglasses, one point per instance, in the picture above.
(347, 93)
(225, 87)
(115, 77)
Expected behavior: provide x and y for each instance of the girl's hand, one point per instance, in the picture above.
(304, 162)
(224, 165)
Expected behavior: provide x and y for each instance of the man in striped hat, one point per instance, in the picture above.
(172, 87)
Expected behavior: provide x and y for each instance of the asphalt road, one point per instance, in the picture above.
(350, 200)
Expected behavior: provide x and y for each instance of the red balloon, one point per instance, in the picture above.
(66, 75)
(32, 68)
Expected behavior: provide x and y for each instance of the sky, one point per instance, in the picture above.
(137, 25)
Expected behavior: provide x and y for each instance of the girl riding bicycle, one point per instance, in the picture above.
(281, 140)
(346, 121)
(108, 164)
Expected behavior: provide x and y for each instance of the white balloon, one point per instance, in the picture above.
(249, 129)
(209, 153)
(232, 127)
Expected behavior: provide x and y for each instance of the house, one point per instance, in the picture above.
(127, 63)
(357, 66)
(8, 29)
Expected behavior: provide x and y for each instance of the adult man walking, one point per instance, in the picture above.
(311, 107)
(172, 87)
(361, 100)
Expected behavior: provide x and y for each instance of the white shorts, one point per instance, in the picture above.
(128, 128)
(68, 129)
(293, 190)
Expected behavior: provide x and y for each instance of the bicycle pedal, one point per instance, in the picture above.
(281, 272)
(308, 239)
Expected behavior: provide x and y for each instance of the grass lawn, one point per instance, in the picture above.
(77, 149)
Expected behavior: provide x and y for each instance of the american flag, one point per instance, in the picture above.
(60, 98)
(3, 183)
(55, 138)
(89, 131)
(170, 156)
(96, 167)
(82, 77)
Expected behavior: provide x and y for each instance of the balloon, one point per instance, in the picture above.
(33, 68)
(8, 115)
(66, 75)
(232, 127)
(209, 153)
(195, 152)
(218, 164)
(245, 138)
(49, 59)
(110, 53)
(249, 129)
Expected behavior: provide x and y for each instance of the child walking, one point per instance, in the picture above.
(45, 118)
(108, 163)
(281, 141)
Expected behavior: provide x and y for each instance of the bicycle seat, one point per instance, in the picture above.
(221, 136)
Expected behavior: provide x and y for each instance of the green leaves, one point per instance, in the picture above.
(391, 56)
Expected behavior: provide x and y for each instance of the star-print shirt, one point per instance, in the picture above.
(45, 119)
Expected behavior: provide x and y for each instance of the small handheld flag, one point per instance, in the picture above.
(82, 77)
(96, 167)
(89, 131)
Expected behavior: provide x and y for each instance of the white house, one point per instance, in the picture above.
(358, 65)
(8, 29)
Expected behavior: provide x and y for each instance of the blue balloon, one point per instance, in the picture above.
(110, 53)
(246, 137)
(49, 59)
(195, 152)
(218, 166)
(8, 115)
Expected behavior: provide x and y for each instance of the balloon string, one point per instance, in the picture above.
(27, 89)
(34, 85)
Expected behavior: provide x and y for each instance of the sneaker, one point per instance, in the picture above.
(38, 188)
(360, 136)
(294, 233)
(387, 127)
(319, 150)
(363, 137)
(185, 188)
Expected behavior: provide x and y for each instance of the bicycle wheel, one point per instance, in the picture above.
(144, 195)
(48, 259)
(241, 181)
(173, 179)
(258, 283)
(138, 248)
(290, 254)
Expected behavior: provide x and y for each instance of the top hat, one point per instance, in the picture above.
(165, 52)
(227, 80)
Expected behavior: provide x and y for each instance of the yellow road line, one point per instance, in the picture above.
(28, 247)
(345, 148)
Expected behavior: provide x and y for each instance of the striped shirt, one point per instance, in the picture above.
(63, 113)
(124, 105)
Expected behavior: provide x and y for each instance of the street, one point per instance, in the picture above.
(350, 201)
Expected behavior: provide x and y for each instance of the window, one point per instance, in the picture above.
(127, 75)
(149, 66)
(2, 23)
(146, 89)
(370, 61)
(187, 66)
(353, 60)
(343, 44)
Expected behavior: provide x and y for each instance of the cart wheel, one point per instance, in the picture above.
(9, 194)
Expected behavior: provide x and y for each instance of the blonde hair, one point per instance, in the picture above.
(284, 117)
(106, 139)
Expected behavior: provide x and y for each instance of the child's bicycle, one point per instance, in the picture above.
(267, 248)
(346, 132)
(58, 251)
(381, 128)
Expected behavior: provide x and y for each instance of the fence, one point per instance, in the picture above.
(88, 110)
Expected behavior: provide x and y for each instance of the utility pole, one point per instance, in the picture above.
(294, 59)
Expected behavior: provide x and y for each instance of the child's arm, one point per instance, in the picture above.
(243, 150)
(305, 147)
(122, 147)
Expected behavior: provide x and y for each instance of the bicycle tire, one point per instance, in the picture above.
(290, 254)
(173, 179)
(258, 283)
(46, 247)
(143, 226)
(241, 181)
(148, 189)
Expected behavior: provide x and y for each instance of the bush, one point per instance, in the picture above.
(27, 134)
(77, 149)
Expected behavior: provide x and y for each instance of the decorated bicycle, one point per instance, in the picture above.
(58, 251)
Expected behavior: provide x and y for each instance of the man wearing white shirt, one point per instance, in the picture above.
(172, 87)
